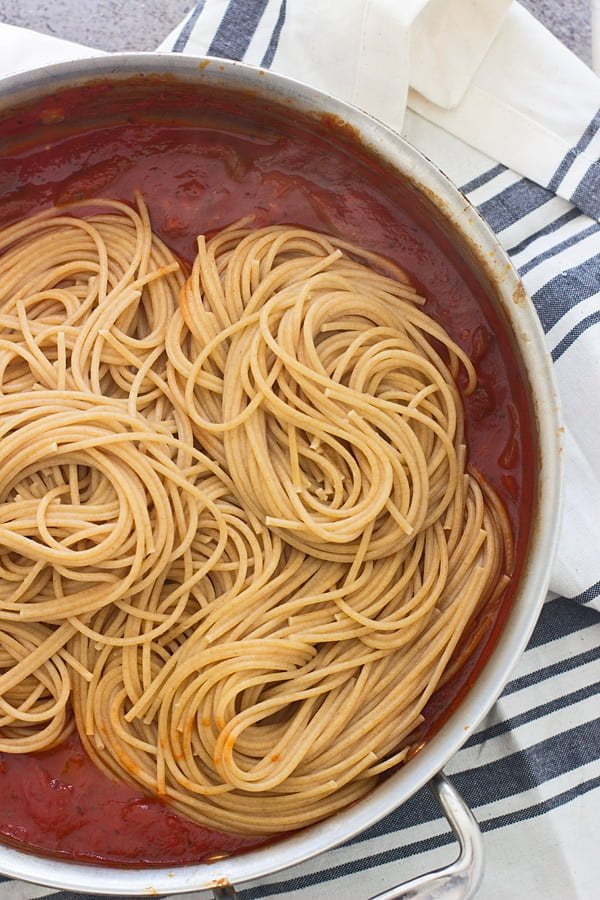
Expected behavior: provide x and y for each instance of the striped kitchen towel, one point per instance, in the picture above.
(518, 127)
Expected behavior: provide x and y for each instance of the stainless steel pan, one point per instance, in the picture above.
(478, 244)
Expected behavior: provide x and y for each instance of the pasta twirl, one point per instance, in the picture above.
(239, 537)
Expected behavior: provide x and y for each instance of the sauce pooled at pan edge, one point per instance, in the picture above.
(219, 159)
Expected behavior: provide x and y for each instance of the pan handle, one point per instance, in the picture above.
(460, 879)
(457, 881)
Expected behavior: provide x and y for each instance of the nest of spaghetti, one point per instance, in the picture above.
(239, 538)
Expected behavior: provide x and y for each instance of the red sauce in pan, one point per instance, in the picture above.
(199, 168)
(60, 803)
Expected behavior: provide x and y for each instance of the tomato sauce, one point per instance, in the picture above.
(202, 162)
(59, 803)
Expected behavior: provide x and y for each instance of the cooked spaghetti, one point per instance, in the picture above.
(239, 540)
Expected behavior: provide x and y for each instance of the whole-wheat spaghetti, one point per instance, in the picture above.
(238, 538)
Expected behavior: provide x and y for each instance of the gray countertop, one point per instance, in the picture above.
(104, 24)
(142, 24)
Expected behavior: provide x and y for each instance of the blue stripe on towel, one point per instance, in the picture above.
(569, 339)
(533, 713)
(574, 152)
(274, 40)
(566, 290)
(587, 193)
(567, 217)
(560, 618)
(185, 33)
(589, 594)
(485, 178)
(564, 665)
(555, 249)
(514, 202)
(237, 28)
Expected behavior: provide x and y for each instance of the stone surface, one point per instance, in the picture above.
(142, 24)
(569, 20)
(105, 24)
